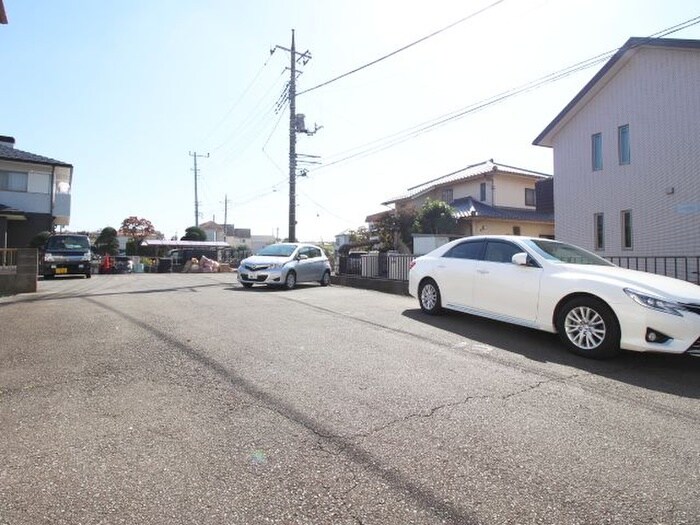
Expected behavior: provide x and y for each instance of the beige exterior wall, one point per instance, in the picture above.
(656, 93)
(528, 229)
(510, 192)
(502, 189)
(472, 188)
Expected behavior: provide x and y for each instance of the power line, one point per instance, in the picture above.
(434, 33)
(268, 140)
(409, 133)
(329, 212)
(237, 102)
(394, 139)
(253, 116)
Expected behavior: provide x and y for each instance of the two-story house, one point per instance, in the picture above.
(627, 154)
(487, 198)
(34, 194)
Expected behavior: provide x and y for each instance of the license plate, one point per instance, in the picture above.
(61, 270)
(252, 276)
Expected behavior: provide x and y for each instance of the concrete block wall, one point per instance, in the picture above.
(24, 279)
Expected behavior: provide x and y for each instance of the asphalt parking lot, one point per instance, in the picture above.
(183, 398)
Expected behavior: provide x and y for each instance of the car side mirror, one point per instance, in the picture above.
(301, 257)
(520, 259)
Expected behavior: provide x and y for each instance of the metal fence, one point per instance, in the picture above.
(682, 267)
(8, 260)
(395, 266)
(392, 266)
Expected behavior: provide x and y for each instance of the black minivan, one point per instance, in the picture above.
(66, 254)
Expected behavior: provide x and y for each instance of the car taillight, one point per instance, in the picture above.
(411, 264)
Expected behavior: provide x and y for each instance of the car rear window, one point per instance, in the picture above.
(466, 250)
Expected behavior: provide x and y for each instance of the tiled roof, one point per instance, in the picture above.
(544, 138)
(211, 225)
(8, 153)
(475, 170)
(376, 217)
(470, 207)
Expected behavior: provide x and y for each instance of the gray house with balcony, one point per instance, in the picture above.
(34, 194)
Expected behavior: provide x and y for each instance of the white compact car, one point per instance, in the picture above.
(285, 264)
(597, 308)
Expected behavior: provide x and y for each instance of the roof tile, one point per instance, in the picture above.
(13, 154)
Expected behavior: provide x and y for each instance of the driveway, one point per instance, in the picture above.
(183, 398)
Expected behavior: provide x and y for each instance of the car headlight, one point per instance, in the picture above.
(48, 257)
(654, 303)
(86, 257)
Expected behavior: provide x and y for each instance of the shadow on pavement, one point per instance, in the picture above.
(672, 374)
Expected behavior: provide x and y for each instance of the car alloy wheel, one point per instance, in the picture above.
(589, 328)
(585, 327)
(429, 297)
(290, 281)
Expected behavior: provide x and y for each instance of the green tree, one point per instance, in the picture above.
(107, 242)
(361, 234)
(393, 231)
(194, 233)
(435, 217)
(39, 239)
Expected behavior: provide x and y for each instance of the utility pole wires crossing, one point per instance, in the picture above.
(294, 58)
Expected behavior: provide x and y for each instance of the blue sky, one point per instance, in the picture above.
(125, 90)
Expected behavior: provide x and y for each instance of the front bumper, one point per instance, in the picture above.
(268, 276)
(67, 268)
(683, 332)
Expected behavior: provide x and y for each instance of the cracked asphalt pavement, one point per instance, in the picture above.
(184, 398)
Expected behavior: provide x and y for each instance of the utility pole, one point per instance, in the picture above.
(226, 201)
(196, 198)
(292, 144)
(294, 58)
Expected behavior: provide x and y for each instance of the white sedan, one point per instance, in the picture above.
(595, 307)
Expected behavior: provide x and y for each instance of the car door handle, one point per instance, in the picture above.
(483, 271)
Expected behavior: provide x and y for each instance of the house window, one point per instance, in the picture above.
(447, 195)
(598, 231)
(482, 192)
(597, 151)
(13, 181)
(623, 144)
(626, 219)
(529, 196)
(516, 230)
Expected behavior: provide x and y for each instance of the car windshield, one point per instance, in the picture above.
(559, 252)
(67, 242)
(278, 250)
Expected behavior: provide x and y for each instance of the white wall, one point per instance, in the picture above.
(423, 244)
(37, 198)
(657, 94)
